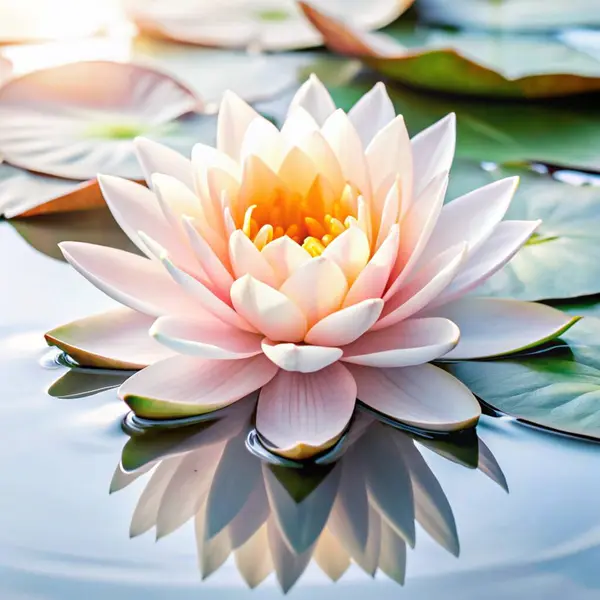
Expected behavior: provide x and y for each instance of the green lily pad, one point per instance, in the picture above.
(557, 387)
(560, 260)
(482, 64)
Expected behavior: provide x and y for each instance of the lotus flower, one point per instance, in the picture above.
(316, 263)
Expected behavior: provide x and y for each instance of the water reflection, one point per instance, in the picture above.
(268, 518)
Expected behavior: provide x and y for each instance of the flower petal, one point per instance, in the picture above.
(411, 342)
(374, 277)
(372, 113)
(116, 339)
(285, 256)
(426, 285)
(318, 149)
(298, 124)
(472, 217)
(350, 251)
(493, 327)
(315, 99)
(263, 139)
(183, 386)
(127, 278)
(390, 213)
(207, 338)
(235, 117)
(422, 396)
(317, 287)
(433, 151)
(247, 259)
(506, 240)
(300, 358)
(347, 325)
(267, 309)
(302, 414)
(158, 158)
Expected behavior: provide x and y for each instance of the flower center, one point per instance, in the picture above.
(313, 222)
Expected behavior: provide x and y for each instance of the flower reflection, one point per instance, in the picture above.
(273, 518)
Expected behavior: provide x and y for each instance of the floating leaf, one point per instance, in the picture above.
(79, 119)
(558, 387)
(530, 66)
(269, 25)
(560, 259)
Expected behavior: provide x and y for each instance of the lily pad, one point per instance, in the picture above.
(265, 24)
(561, 258)
(26, 194)
(482, 64)
(557, 388)
(79, 119)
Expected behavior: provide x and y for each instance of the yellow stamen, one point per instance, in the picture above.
(315, 228)
(336, 227)
(327, 239)
(246, 227)
(278, 232)
(313, 246)
(292, 231)
(264, 236)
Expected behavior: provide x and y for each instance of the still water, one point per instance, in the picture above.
(64, 535)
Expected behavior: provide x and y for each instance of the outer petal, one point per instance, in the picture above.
(317, 287)
(347, 325)
(350, 251)
(270, 311)
(508, 238)
(303, 359)
(423, 396)
(116, 339)
(157, 158)
(234, 118)
(492, 327)
(433, 151)
(136, 282)
(472, 217)
(247, 259)
(285, 256)
(183, 386)
(207, 338)
(302, 414)
(411, 342)
(315, 99)
(372, 113)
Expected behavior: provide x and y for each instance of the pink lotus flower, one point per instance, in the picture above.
(316, 263)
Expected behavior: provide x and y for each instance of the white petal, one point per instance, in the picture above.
(264, 140)
(303, 359)
(372, 113)
(267, 309)
(208, 338)
(411, 342)
(157, 158)
(350, 251)
(493, 327)
(422, 396)
(433, 151)
(285, 256)
(390, 213)
(315, 99)
(246, 259)
(298, 125)
(346, 325)
(234, 118)
(301, 414)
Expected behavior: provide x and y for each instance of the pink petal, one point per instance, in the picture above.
(390, 213)
(128, 278)
(422, 396)
(206, 338)
(285, 256)
(472, 217)
(426, 285)
(157, 158)
(374, 277)
(317, 287)
(411, 342)
(372, 113)
(493, 327)
(267, 309)
(506, 240)
(315, 99)
(433, 151)
(346, 325)
(235, 117)
(116, 339)
(184, 386)
(302, 414)
(303, 359)
(246, 259)
(350, 251)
